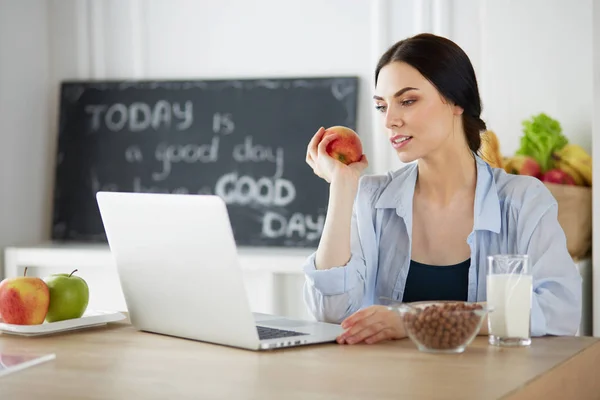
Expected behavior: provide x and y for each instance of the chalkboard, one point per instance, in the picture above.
(244, 140)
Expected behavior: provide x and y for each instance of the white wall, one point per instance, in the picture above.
(536, 57)
(25, 125)
(197, 39)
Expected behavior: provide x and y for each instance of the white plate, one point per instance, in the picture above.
(90, 318)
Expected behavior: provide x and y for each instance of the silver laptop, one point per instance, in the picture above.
(178, 265)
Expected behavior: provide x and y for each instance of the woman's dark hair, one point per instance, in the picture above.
(448, 68)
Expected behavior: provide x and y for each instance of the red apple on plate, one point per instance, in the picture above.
(24, 300)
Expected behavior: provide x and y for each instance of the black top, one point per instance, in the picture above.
(432, 282)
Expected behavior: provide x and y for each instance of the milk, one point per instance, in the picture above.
(510, 297)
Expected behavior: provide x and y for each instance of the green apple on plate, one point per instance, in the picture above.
(69, 296)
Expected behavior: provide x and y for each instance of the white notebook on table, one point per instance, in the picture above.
(13, 362)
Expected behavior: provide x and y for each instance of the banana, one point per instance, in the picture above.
(578, 159)
(490, 149)
(512, 165)
(573, 150)
(572, 172)
(584, 167)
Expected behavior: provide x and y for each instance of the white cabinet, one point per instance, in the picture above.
(273, 278)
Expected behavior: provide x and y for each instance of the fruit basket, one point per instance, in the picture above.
(565, 169)
(574, 216)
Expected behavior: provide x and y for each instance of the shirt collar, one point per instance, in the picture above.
(400, 191)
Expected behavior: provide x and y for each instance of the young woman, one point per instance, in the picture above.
(424, 231)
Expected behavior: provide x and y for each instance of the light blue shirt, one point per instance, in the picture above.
(512, 215)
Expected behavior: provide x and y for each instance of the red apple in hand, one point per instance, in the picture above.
(24, 300)
(347, 148)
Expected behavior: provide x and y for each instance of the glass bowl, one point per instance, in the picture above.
(441, 326)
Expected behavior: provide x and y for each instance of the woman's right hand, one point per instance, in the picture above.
(326, 166)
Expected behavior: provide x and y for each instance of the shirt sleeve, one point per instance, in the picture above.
(333, 294)
(557, 284)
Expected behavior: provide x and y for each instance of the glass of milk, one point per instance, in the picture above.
(509, 291)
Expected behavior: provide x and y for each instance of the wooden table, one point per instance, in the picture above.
(117, 362)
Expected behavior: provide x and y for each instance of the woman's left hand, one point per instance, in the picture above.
(371, 325)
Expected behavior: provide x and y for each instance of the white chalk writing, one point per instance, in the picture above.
(141, 116)
(275, 226)
(140, 188)
(169, 154)
(238, 188)
(223, 123)
(248, 151)
(134, 154)
(235, 189)
(242, 190)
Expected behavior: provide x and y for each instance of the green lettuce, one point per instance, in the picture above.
(542, 136)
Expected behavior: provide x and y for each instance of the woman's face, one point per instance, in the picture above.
(418, 120)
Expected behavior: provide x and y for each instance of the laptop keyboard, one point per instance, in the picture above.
(273, 333)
